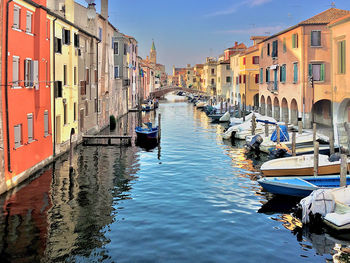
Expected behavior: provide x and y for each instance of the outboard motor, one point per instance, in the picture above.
(334, 157)
(254, 145)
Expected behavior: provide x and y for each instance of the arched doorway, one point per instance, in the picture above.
(269, 107)
(343, 111)
(285, 111)
(276, 109)
(322, 112)
(256, 101)
(294, 112)
(263, 105)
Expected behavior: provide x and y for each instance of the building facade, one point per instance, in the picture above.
(209, 76)
(295, 71)
(26, 98)
(224, 80)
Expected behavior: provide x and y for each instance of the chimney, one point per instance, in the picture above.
(236, 43)
(104, 8)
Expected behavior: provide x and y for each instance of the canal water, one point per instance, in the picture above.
(193, 199)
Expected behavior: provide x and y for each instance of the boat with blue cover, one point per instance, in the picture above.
(146, 133)
(300, 186)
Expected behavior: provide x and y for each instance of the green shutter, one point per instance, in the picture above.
(322, 73)
(284, 45)
(310, 70)
(341, 57)
(295, 72)
(261, 76)
(284, 73)
(293, 41)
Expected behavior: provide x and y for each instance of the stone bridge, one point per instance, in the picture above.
(161, 92)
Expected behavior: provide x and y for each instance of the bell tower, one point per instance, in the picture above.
(153, 54)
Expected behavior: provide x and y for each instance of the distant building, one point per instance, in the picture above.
(209, 76)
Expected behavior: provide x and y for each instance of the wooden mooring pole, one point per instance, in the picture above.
(300, 126)
(266, 130)
(331, 142)
(159, 127)
(253, 124)
(278, 134)
(294, 153)
(314, 130)
(72, 132)
(316, 156)
(343, 170)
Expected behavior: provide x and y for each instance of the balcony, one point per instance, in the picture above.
(272, 86)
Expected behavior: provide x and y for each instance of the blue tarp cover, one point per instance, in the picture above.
(284, 136)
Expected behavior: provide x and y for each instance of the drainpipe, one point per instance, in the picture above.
(98, 42)
(54, 81)
(6, 88)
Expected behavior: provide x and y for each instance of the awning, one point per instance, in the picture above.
(274, 66)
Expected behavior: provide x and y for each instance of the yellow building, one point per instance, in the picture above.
(249, 77)
(340, 69)
(198, 77)
(209, 76)
(64, 70)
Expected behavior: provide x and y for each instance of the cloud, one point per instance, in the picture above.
(234, 8)
(266, 30)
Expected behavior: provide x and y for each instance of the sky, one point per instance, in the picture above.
(188, 31)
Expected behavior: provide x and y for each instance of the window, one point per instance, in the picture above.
(30, 127)
(46, 123)
(316, 38)
(75, 76)
(255, 60)
(75, 111)
(76, 40)
(295, 41)
(244, 62)
(96, 105)
(283, 73)
(212, 81)
(240, 79)
(317, 71)
(261, 76)
(87, 76)
(58, 45)
(237, 80)
(66, 36)
(341, 57)
(64, 113)
(15, 71)
(295, 70)
(82, 87)
(267, 75)
(116, 72)
(16, 17)
(227, 67)
(58, 89)
(100, 33)
(116, 48)
(268, 49)
(29, 22)
(262, 52)
(18, 135)
(28, 73)
(212, 71)
(96, 76)
(275, 49)
(244, 78)
(48, 29)
(284, 45)
(64, 75)
(256, 78)
(228, 79)
(125, 49)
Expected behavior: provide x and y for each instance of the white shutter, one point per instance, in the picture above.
(29, 22)
(36, 74)
(26, 72)
(30, 127)
(31, 73)
(18, 135)
(16, 11)
(46, 123)
(15, 65)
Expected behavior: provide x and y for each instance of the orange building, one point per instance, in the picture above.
(26, 93)
(340, 33)
(295, 71)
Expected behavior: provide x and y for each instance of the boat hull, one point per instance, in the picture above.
(323, 170)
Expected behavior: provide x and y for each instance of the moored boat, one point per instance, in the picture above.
(300, 186)
(146, 133)
(300, 166)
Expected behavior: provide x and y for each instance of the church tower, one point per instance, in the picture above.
(153, 54)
